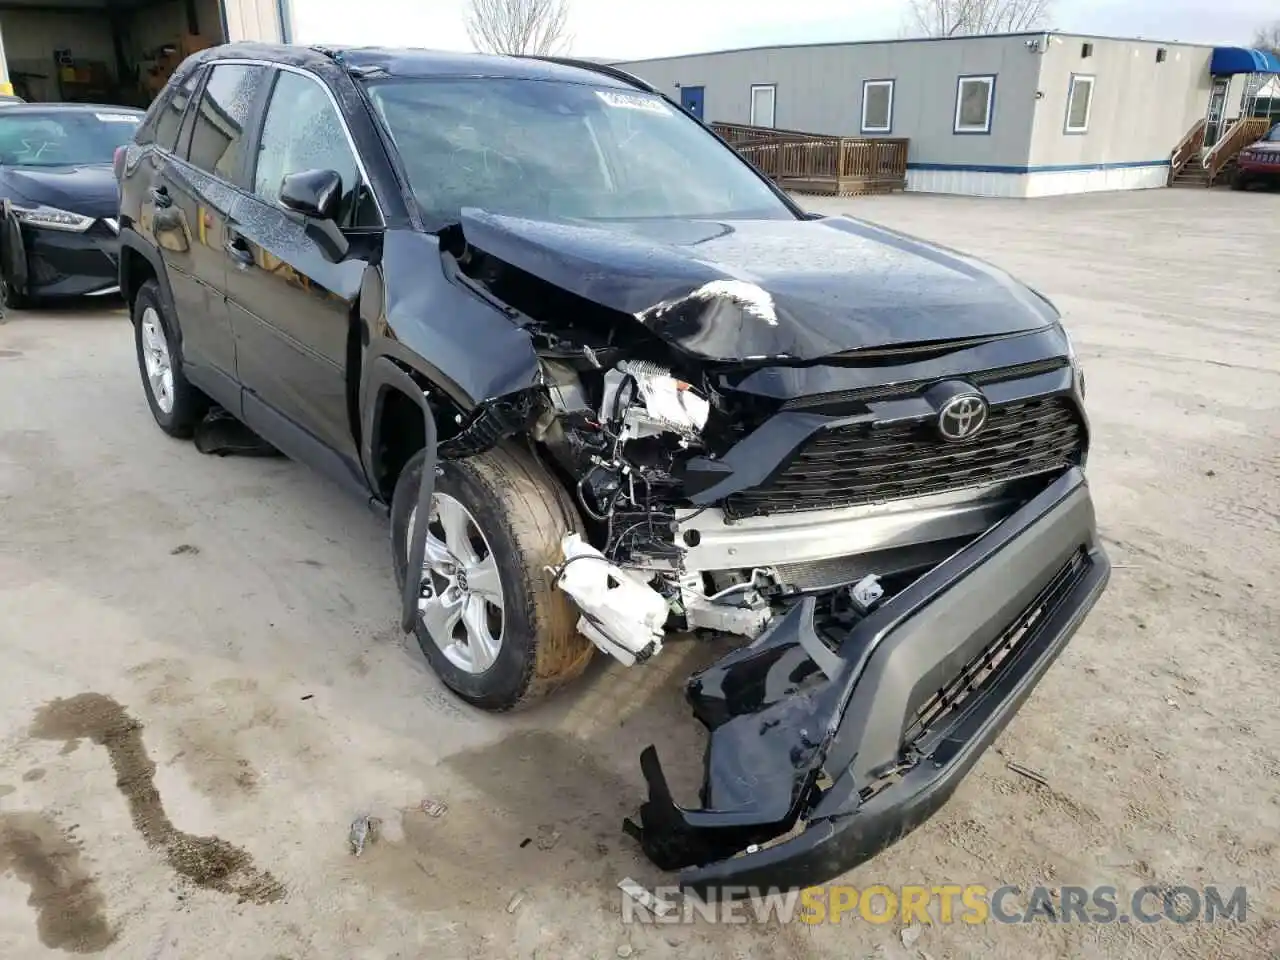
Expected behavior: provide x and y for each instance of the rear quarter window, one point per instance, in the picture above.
(165, 114)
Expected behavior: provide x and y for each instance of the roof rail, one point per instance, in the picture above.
(601, 68)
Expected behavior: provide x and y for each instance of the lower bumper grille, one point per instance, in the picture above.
(860, 464)
(980, 671)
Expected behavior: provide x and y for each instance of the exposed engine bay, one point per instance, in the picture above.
(629, 452)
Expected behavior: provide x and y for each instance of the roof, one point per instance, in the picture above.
(439, 63)
(411, 62)
(898, 40)
(1228, 61)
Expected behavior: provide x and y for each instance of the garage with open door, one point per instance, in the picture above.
(118, 51)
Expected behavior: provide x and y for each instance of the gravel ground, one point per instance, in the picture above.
(204, 682)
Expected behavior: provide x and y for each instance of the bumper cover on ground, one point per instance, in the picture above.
(842, 747)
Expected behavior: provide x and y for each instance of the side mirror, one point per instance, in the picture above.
(316, 194)
(312, 193)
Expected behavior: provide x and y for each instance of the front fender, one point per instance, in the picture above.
(464, 346)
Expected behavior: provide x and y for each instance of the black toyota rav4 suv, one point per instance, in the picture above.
(653, 396)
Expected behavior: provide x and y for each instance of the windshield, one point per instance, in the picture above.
(552, 150)
(1273, 135)
(31, 138)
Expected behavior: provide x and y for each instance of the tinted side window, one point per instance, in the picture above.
(225, 107)
(168, 111)
(302, 131)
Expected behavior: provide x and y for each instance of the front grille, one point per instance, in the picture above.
(865, 463)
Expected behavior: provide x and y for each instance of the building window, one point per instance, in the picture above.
(975, 97)
(1161, 55)
(1079, 104)
(877, 106)
(764, 98)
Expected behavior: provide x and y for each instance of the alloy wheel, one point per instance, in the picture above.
(156, 359)
(460, 601)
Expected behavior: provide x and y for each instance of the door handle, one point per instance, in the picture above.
(238, 249)
(160, 196)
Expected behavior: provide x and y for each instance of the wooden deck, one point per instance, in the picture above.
(821, 164)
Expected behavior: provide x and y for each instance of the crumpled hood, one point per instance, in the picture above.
(88, 189)
(753, 289)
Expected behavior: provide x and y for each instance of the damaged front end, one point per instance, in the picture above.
(842, 729)
(903, 536)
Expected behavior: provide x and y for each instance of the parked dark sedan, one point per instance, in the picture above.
(60, 197)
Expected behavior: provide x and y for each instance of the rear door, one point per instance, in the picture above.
(165, 217)
(290, 307)
(197, 195)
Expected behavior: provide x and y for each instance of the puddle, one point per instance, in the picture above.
(70, 910)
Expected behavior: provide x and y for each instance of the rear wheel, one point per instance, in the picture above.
(176, 405)
(491, 621)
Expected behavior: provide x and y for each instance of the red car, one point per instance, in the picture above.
(1259, 162)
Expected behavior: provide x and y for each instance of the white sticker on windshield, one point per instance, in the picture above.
(630, 101)
(116, 117)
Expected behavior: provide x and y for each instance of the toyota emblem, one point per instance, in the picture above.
(962, 417)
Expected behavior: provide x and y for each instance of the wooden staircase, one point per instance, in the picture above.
(1192, 175)
(1189, 167)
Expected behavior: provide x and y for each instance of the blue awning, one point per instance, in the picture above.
(1228, 61)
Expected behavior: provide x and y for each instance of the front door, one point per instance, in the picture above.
(1217, 107)
(691, 99)
(291, 308)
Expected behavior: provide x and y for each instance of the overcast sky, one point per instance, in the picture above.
(633, 29)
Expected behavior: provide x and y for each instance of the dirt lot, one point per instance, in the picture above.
(203, 682)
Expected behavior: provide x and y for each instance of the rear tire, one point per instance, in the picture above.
(176, 405)
(522, 514)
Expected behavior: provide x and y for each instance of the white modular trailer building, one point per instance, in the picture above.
(1018, 115)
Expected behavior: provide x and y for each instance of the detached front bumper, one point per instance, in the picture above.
(843, 745)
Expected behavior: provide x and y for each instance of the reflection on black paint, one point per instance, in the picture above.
(225, 106)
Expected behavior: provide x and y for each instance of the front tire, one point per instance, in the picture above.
(496, 629)
(176, 405)
(1240, 181)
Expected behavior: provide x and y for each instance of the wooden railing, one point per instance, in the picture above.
(1238, 136)
(1188, 149)
(815, 163)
